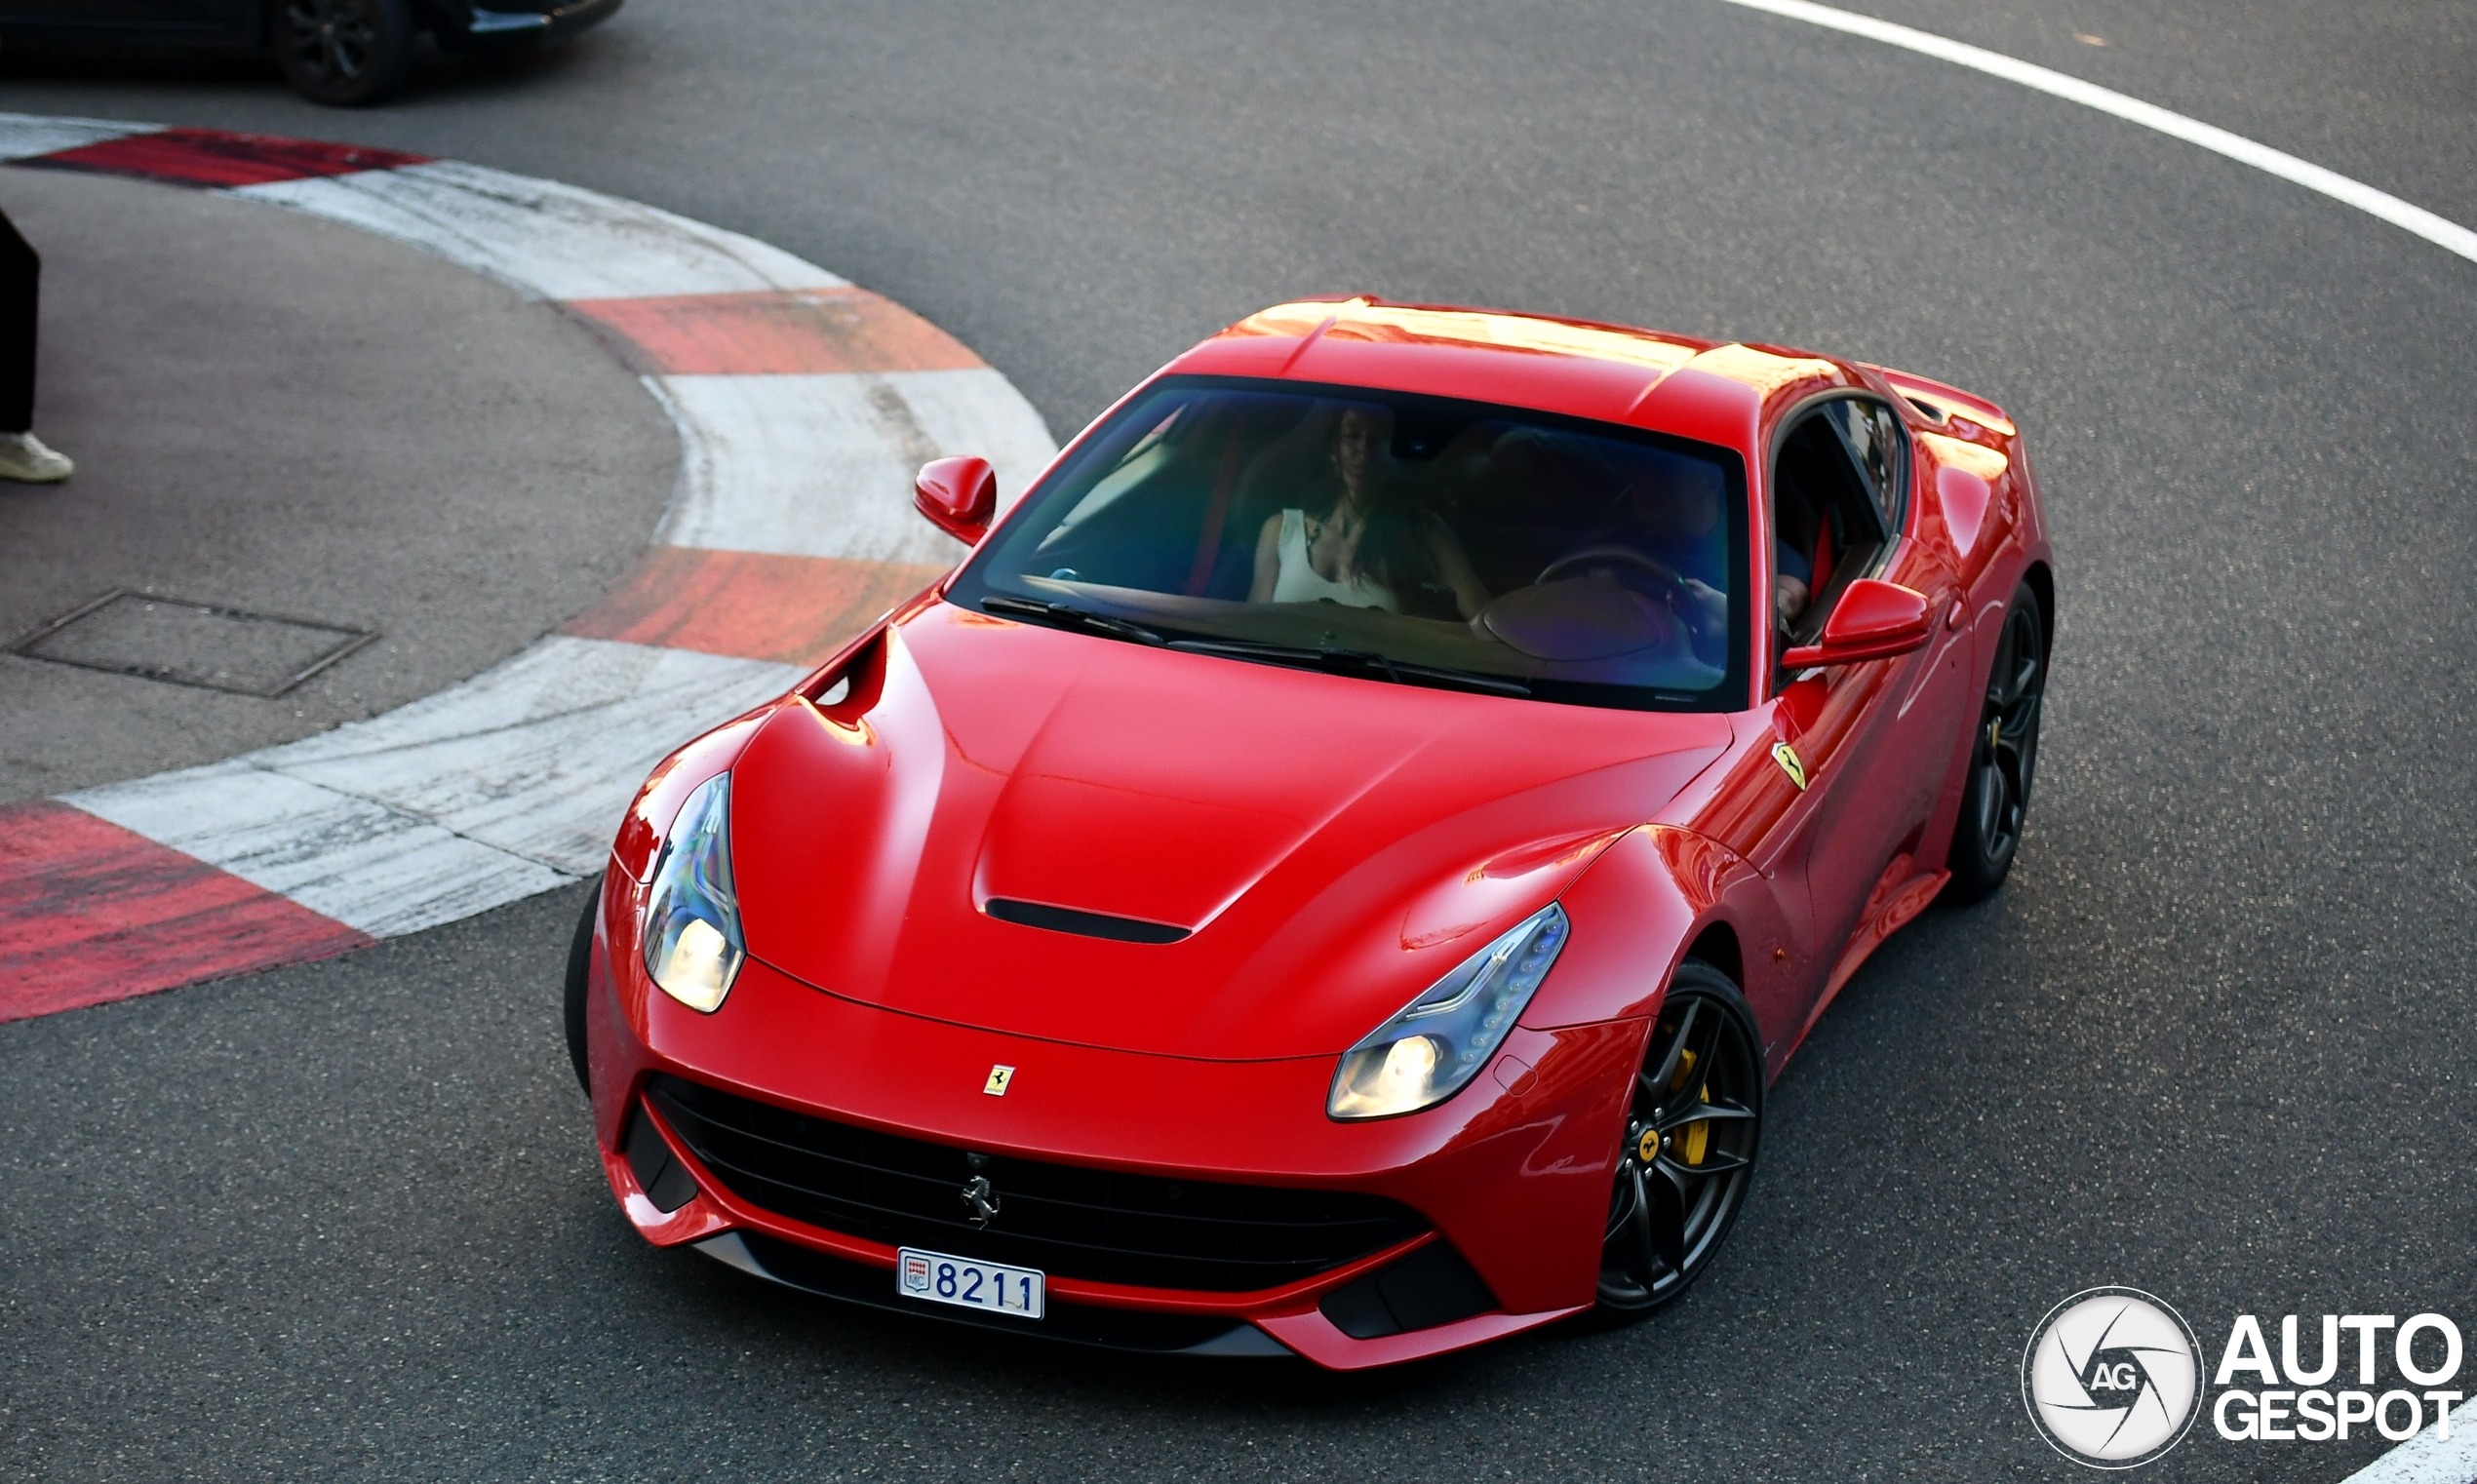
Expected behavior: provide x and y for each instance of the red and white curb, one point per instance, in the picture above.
(804, 405)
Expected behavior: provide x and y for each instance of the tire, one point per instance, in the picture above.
(343, 52)
(581, 958)
(2004, 758)
(1697, 1111)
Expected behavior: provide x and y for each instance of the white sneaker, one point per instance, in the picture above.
(26, 458)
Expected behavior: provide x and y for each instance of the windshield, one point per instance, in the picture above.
(1405, 538)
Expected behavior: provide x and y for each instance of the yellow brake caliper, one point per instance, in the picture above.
(1697, 1137)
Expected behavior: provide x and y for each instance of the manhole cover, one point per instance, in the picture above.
(193, 644)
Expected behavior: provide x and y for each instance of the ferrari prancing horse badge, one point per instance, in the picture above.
(1787, 756)
(999, 1078)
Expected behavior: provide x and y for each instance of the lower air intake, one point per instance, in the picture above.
(1068, 1221)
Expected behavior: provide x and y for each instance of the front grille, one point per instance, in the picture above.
(1068, 1221)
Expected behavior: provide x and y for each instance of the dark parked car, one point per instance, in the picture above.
(341, 52)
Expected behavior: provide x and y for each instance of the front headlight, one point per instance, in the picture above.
(692, 943)
(1442, 1039)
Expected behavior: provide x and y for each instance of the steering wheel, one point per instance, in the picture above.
(1610, 553)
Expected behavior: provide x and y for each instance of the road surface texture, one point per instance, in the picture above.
(342, 1219)
(287, 416)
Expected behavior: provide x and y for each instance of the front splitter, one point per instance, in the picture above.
(1117, 1329)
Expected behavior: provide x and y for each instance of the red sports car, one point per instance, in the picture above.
(1335, 869)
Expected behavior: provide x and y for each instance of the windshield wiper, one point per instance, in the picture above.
(1064, 616)
(1400, 672)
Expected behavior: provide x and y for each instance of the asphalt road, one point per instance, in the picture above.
(343, 1220)
(286, 415)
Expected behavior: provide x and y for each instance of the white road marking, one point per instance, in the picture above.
(357, 862)
(823, 465)
(23, 135)
(2448, 235)
(2424, 1459)
(2421, 1459)
(538, 755)
(488, 792)
(2428, 1460)
(546, 239)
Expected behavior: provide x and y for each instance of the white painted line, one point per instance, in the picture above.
(538, 755)
(2448, 235)
(357, 862)
(2428, 1460)
(823, 465)
(23, 135)
(488, 792)
(546, 239)
(2421, 1459)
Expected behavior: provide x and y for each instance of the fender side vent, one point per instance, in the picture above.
(1090, 924)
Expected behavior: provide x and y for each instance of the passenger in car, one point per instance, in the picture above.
(1371, 545)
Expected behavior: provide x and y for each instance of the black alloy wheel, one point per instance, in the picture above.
(2004, 760)
(345, 53)
(581, 958)
(1691, 1131)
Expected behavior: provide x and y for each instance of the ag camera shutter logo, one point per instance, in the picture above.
(2112, 1377)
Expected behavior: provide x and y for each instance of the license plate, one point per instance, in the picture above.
(968, 1282)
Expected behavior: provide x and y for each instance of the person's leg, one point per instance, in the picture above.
(22, 455)
(20, 273)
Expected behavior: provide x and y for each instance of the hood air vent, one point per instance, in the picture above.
(1090, 924)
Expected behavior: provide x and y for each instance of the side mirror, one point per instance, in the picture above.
(1874, 620)
(959, 496)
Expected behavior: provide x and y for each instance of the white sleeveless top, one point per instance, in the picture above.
(1299, 581)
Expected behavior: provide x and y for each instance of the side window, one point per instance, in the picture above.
(1873, 438)
(1828, 513)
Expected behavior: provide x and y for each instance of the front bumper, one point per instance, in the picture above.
(1512, 1175)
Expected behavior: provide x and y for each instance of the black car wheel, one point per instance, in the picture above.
(345, 53)
(581, 958)
(1691, 1131)
(2004, 760)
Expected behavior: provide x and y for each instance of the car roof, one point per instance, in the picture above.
(1714, 390)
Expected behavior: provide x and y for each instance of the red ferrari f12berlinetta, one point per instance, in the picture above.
(1334, 871)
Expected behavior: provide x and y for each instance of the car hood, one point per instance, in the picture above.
(1332, 844)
